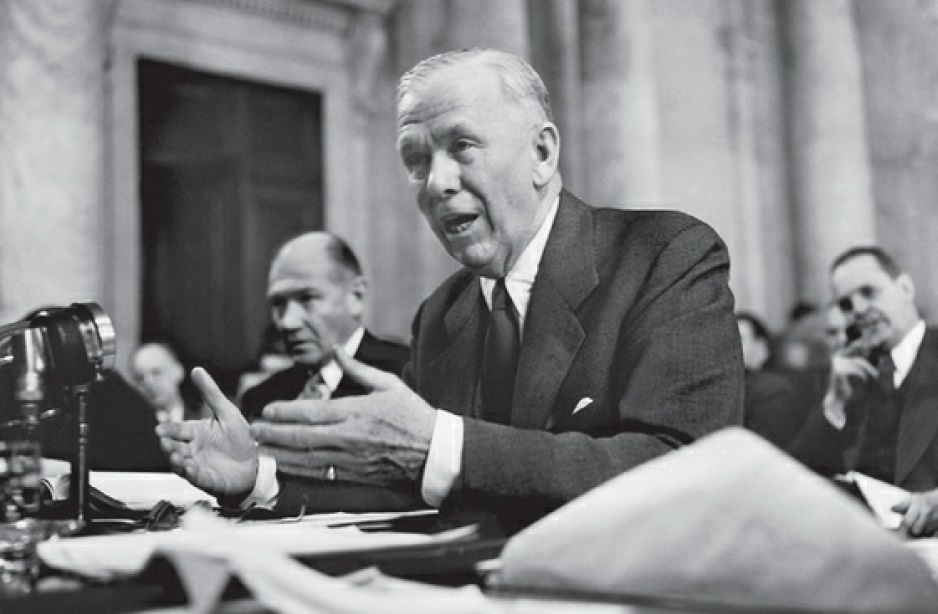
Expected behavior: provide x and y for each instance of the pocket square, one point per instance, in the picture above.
(582, 403)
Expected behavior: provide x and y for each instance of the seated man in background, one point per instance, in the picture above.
(575, 344)
(317, 293)
(879, 414)
(159, 375)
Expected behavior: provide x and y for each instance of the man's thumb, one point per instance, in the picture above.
(368, 376)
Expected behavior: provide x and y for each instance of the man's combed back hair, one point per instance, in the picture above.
(521, 82)
(885, 261)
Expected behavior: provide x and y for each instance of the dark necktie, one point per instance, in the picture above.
(882, 429)
(887, 373)
(500, 357)
(315, 389)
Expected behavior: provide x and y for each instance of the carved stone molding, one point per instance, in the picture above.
(333, 16)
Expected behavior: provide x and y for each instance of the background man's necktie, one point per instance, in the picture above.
(314, 389)
(887, 373)
(878, 452)
(500, 357)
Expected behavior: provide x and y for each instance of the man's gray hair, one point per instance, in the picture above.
(520, 81)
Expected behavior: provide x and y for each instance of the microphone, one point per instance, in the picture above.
(28, 351)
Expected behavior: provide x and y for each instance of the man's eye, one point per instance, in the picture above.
(417, 166)
(462, 148)
(845, 304)
(868, 292)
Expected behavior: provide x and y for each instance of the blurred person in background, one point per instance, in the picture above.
(771, 406)
(160, 375)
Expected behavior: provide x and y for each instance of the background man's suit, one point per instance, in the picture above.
(630, 348)
(318, 495)
(287, 385)
(829, 451)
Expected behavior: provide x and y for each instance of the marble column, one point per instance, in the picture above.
(52, 153)
(622, 157)
(555, 54)
(500, 24)
(829, 150)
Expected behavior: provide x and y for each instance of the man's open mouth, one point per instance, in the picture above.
(458, 223)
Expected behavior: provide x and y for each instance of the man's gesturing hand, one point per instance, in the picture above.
(381, 438)
(218, 455)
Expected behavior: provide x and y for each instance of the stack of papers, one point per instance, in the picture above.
(143, 490)
(105, 557)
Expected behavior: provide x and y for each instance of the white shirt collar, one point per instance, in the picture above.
(903, 355)
(331, 372)
(176, 413)
(520, 278)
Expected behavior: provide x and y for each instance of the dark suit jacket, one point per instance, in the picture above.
(630, 309)
(285, 385)
(830, 451)
(318, 495)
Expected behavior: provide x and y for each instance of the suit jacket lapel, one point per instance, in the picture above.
(452, 375)
(552, 333)
(919, 423)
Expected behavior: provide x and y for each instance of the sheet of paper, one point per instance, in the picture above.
(143, 490)
(880, 496)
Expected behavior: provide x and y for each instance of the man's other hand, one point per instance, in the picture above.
(218, 454)
(381, 438)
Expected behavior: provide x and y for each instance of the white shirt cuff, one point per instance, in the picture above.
(444, 459)
(266, 488)
(834, 413)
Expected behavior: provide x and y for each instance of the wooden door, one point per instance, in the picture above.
(230, 170)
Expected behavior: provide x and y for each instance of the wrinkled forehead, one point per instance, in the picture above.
(152, 357)
(298, 271)
(458, 89)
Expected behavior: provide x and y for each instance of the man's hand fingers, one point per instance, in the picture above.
(368, 376)
(305, 412)
(180, 431)
(224, 410)
(292, 436)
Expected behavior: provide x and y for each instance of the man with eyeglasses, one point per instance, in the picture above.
(880, 410)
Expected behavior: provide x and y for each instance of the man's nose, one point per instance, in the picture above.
(291, 318)
(860, 304)
(443, 175)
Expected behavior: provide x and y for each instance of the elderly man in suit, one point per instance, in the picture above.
(575, 344)
(880, 413)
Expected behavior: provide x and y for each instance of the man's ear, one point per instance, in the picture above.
(546, 154)
(907, 285)
(358, 292)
